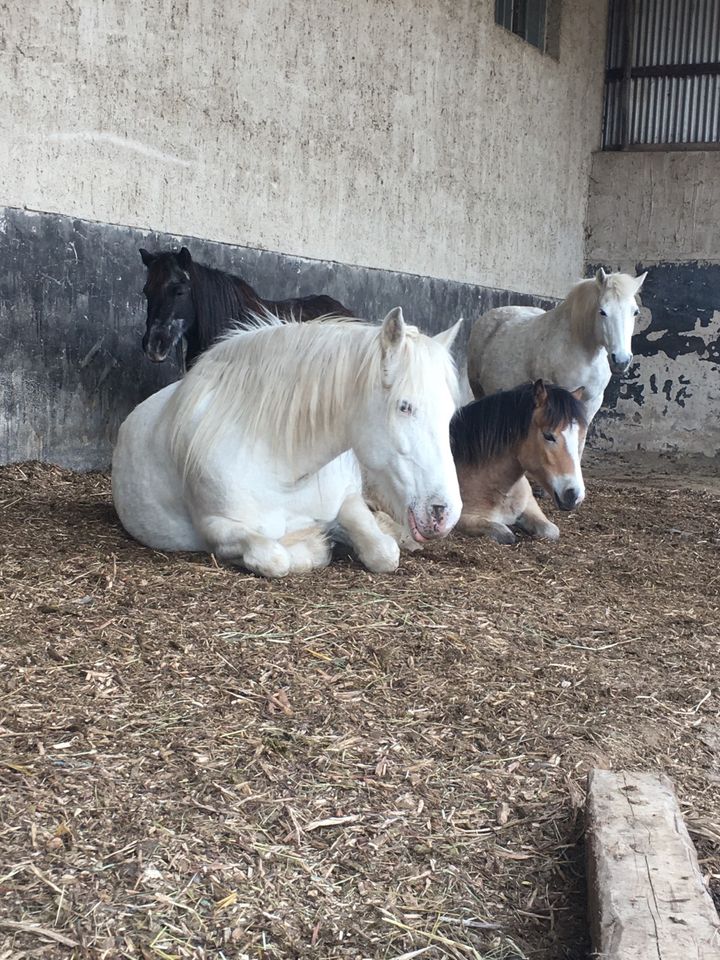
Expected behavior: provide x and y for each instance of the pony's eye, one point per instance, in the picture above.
(406, 407)
(550, 437)
(603, 313)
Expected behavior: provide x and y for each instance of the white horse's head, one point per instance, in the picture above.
(617, 311)
(401, 436)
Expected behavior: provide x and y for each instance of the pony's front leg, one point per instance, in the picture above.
(530, 517)
(477, 526)
(234, 542)
(378, 551)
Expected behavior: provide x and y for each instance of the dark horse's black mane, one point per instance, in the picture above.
(221, 299)
(487, 427)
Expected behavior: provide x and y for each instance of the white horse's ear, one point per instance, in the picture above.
(392, 338)
(447, 337)
(540, 393)
(579, 393)
(639, 281)
(393, 329)
(601, 277)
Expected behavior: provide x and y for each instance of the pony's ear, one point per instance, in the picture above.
(184, 259)
(540, 393)
(579, 393)
(147, 258)
(639, 281)
(392, 337)
(601, 277)
(447, 337)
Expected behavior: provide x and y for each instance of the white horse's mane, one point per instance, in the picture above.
(289, 383)
(582, 302)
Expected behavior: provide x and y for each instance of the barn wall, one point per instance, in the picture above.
(72, 317)
(659, 211)
(414, 136)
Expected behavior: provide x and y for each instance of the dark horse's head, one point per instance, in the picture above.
(170, 307)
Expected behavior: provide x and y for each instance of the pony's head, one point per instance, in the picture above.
(617, 311)
(550, 452)
(170, 308)
(401, 438)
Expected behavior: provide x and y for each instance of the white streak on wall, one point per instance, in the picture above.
(100, 136)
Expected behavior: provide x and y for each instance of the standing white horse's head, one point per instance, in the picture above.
(617, 311)
(402, 438)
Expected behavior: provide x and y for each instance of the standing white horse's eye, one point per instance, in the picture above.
(636, 312)
(406, 407)
(602, 313)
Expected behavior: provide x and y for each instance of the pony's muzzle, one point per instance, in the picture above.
(569, 498)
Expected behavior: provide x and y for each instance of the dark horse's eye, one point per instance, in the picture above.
(550, 437)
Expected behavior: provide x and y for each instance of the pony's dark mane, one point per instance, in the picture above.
(487, 427)
(220, 298)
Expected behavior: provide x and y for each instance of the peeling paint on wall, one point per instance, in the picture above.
(659, 212)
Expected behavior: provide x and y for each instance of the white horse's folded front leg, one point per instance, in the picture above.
(377, 551)
(236, 543)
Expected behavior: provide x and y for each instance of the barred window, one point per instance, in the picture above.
(662, 81)
(537, 21)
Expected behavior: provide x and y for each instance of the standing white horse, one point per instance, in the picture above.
(577, 344)
(262, 452)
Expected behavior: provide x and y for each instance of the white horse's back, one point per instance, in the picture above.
(147, 490)
(493, 336)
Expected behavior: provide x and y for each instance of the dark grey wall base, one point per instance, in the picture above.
(72, 316)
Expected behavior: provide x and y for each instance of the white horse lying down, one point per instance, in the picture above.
(575, 345)
(261, 453)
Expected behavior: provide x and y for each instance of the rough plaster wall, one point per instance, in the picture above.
(660, 212)
(415, 135)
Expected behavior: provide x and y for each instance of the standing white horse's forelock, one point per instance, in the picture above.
(287, 384)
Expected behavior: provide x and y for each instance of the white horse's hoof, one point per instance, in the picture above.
(268, 560)
(383, 557)
(307, 556)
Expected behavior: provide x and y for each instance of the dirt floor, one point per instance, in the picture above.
(198, 763)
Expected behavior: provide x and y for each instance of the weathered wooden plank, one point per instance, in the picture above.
(647, 898)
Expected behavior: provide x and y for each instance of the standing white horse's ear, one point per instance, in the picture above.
(447, 337)
(601, 277)
(639, 281)
(540, 393)
(392, 338)
(579, 393)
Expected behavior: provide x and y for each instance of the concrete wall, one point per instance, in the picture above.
(414, 136)
(660, 212)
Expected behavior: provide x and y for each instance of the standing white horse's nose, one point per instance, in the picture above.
(619, 362)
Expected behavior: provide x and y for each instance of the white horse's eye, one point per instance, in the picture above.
(550, 437)
(636, 313)
(602, 313)
(406, 407)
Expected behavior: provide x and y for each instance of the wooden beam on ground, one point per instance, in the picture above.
(646, 896)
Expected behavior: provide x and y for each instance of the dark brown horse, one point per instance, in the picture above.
(187, 299)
